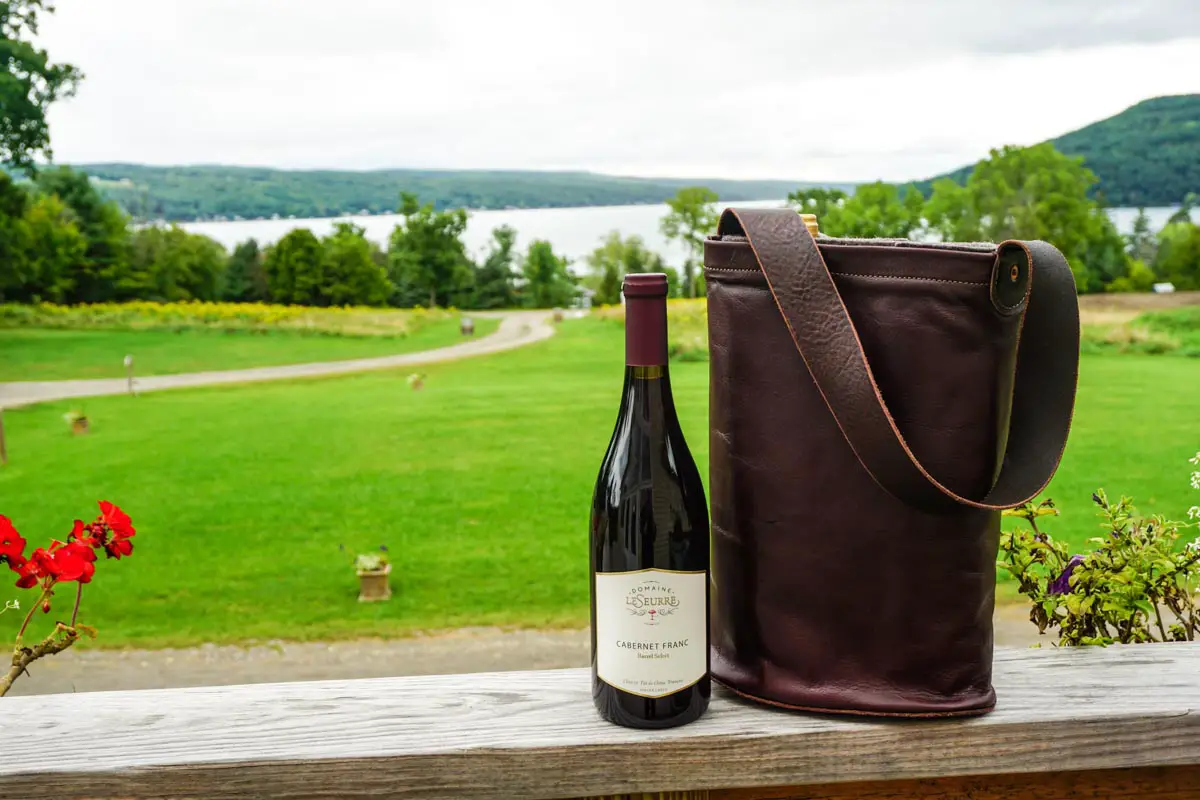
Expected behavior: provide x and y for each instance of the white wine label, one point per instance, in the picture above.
(651, 630)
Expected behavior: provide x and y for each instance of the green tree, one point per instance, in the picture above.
(1140, 278)
(825, 203)
(427, 261)
(875, 210)
(55, 251)
(1178, 259)
(1033, 193)
(105, 266)
(293, 268)
(14, 244)
(615, 258)
(951, 212)
(1143, 245)
(351, 274)
(494, 280)
(692, 217)
(245, 280)
(168, 264)
(608, 287)
(1184, 212)
(547, 282)
(674, 287)
(29, 83)
(605, 270)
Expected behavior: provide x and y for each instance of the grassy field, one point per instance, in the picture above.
(42, 355)
(479, 485)
(1152, 324)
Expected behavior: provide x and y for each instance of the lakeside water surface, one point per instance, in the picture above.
(574, 232)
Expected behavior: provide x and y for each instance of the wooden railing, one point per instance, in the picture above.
(1116, 723)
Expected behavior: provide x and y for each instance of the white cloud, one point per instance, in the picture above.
(849, 90)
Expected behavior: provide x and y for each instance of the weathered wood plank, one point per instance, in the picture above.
(1143, 783)
(535, 734)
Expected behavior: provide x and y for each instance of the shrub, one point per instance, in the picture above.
(226, 317)
(1138, 585)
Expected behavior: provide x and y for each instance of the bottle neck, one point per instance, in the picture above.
(646, 401)
(646, 332)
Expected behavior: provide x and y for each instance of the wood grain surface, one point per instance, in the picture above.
(1142, 783)
(536, 735)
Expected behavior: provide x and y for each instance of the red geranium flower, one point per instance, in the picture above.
(73, 561)
(28, 575)
(42, 561)
(12, 545)
(77, 535)
(116, 519)
(118, 547)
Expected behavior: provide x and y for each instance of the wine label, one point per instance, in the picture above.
(651, 630)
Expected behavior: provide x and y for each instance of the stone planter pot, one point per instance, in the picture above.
(373, 586)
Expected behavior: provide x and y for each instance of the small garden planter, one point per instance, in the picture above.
(373, 570)
(373, 585)
(77, 421)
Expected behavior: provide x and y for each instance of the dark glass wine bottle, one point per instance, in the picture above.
(649, 541)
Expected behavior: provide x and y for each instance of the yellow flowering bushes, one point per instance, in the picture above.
(227, 317)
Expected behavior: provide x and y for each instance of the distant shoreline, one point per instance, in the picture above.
(394, 213)
(229, 194)
(575, 231)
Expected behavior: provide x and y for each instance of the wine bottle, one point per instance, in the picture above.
(649, 541)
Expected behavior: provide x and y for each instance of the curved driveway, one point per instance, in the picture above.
(517, 329)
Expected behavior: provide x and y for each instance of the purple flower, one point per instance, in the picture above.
(1062, 584)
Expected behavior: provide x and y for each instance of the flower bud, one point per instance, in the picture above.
(45, 606)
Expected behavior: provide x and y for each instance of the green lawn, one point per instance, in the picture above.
(40, 355)
(479, 484)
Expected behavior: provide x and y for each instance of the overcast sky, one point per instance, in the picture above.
(848, 90)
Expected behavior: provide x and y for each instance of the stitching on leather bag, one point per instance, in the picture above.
(907, 278)
(861, 275)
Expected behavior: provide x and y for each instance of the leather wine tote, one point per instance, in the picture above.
(874, 405)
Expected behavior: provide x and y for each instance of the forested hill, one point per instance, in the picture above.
(205, 192)
(1148, 155)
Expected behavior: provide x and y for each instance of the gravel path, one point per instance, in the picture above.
(467, 650)
(516, 330)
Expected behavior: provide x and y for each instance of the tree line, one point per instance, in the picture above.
(215, 192)
(1021, 193)
(1144, 156)
(62, 242)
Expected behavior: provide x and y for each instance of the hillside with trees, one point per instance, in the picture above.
(1148, 155)
(209, 192)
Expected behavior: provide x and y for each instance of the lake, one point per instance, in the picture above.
(574, 232)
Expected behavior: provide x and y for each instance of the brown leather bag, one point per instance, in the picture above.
(874, 404)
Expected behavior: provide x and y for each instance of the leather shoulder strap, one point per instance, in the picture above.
(1046, 374)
